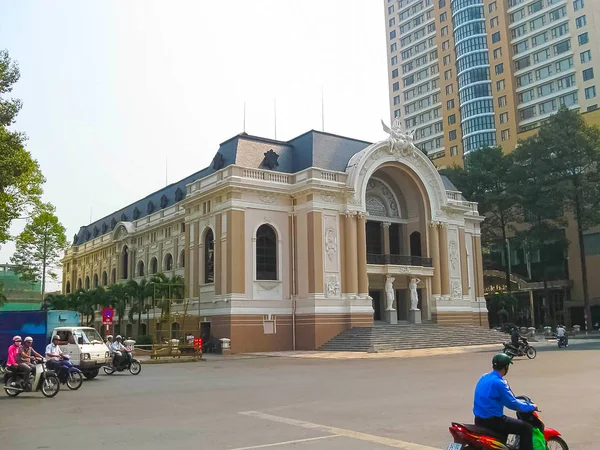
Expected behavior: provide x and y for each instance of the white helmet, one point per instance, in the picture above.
(28, 339)
(119, 336)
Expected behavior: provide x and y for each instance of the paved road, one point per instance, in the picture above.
(304, 404)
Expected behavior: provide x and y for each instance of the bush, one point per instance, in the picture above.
(145, 339)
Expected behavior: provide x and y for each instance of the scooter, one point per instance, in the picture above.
(40, 379)
(127, 363)
(524, 349)
(69, 374)
(471, 437)
(563, 341)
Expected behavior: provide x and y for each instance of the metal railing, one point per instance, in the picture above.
(399, 260)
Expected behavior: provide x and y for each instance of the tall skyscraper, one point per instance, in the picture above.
(467, 74)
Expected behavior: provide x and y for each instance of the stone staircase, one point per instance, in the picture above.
(406, 337)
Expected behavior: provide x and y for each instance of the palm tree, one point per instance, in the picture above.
(59, 302)
(117, 297)
(140, 292)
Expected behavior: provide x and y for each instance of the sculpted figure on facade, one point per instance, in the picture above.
(400, 141)
(414, 295)
(389, 293)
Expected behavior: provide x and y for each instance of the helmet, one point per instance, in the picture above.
(16, 338)
(110, 336)
(501, 361)
(56, 336)
(28, 339)
(119, 336)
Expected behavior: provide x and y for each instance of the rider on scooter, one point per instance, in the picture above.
(117, 348)
(492, 394)
(561, 333)
(54, 353)
(24, 356)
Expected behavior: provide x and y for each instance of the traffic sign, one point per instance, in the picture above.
(107, 316)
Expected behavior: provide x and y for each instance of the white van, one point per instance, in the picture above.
(85, 347)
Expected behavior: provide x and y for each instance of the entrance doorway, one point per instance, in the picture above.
(376, 296)
(402, 305)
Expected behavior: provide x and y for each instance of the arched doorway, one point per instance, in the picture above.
(95, 280)
(128, 330)
(143, 329)
(68, 287)
(104, 278)
(415, 244)
(168, 263)
(141, 272)
(113, 276)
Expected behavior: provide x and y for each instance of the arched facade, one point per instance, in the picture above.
(276, 252)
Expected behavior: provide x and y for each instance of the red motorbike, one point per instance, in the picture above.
(471, 437)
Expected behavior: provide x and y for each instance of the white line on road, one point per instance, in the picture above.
(277, 444)
(340, 431)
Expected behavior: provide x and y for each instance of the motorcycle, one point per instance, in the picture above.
(472, 437)
(41, 379)
(524, 349)
(563, 341)
(127, 363)
(68, 374)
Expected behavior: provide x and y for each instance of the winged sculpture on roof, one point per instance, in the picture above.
(400, 140)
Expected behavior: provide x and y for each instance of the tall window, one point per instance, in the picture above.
(113, 276)
(104, 278)
(168, 262)
(266, 253)
(141, 269)
(209, 257)
(68, 288)
(87, 283)
(153, 266)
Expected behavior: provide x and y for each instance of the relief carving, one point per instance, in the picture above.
(330, 243)
(453, 254)
(267, 198)
(456, 289)
(333, 286)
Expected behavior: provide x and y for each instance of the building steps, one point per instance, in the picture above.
(409, 337)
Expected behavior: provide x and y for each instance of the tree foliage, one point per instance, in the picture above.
(3, 298)
(559, 173)
(20, 176)
(40, 246)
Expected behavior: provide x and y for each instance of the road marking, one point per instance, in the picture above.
(276, 444)
(340, 431)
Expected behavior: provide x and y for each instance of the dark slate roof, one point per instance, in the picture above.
(311, 149)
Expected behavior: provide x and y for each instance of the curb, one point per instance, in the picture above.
(171, 361)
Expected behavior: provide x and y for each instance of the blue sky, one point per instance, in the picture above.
(112, 89)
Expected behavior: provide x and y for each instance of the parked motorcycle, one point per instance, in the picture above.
(471, 437)
(69, 374)
(127, 363)
(40, 379)
(524, 349)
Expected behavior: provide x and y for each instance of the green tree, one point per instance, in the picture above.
(486, 179)
(140, 292)
(117, 297)
(3, 298)
(561, 168)
(61, 302)
(20, 176)
(40, 246)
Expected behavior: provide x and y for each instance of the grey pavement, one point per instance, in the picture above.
(301, 403)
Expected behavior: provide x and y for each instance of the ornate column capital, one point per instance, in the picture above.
(386, 224)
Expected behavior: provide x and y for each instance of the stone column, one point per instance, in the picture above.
(386, 238)
(314, 223)
(478, 263)
(434, 244)
(196, 267)
(444, 269)
(464, 265)
(361, 243)
(351, 254)
(131, 261)
(186, 263)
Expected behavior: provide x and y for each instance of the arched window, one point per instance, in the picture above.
(95, 280)
(128, 330)
(153, 266)
(142, 331)
(168, 262)
(113, 276)
(79, 283)
(182, 259)
(104, 278)
(87, 282)
(415, 244)
(266, 253)
(68, 287)
(141, 269)
(209, 257)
